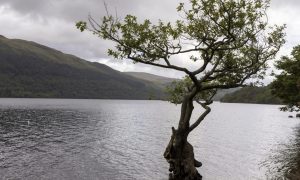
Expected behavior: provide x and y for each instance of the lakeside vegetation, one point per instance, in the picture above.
(252, 94)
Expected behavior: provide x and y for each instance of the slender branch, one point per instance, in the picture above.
(203, 115)
(186, 51)
(208, 74)
(228, 86)
(206, 112)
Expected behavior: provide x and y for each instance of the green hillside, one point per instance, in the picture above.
(163, 82)
(252, 94)
(158, 80)
(222, 92)
(28, 69)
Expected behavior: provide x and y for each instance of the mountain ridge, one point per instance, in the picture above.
(29, 69)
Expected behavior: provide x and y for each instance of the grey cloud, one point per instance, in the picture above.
(78, 9)
(52, 23)
(277, 4)
(70, 11)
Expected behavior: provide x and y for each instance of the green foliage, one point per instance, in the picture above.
(81, 25)
(231, 39)
(177, 90)
(287, 83)
(252, 94)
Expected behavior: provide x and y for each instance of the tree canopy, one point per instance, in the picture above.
(287, 83)
(230, 39)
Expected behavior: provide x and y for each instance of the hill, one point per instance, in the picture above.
(222, 92)
(158, 80)
(163, 82)
(28, 69)
(252, 94)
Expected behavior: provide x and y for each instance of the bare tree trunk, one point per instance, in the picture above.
(179, 152)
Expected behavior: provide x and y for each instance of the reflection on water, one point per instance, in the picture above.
(82, 139)
(111, 139)
(33, 141)
(285, 161)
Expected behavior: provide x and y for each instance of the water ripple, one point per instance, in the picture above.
(105, 139)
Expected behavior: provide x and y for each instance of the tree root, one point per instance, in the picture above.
(180, 156)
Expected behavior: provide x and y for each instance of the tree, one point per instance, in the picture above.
(287, 84)
(231, 40)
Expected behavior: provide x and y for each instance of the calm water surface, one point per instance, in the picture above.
(120, 139)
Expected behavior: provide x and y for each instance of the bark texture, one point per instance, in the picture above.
(180, 155)
(179, 152)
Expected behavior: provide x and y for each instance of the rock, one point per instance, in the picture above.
(290, 116)
(197, 163)
(298, 115)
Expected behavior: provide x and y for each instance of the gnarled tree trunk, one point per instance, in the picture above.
(179, 152)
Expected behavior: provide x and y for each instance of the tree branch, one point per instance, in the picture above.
(206, 112)
(203, 115)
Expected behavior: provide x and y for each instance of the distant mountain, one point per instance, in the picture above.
(158, 80)
(222, 92)
(28, 69)
(252, 94)
(163, 82)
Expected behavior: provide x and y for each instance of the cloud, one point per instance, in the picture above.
(286, 12)
(72, 10)
(278, 4)
(52, 23)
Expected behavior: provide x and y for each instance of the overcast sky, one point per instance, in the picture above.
(52, 23)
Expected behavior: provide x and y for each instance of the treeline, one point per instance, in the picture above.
(252, 94)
